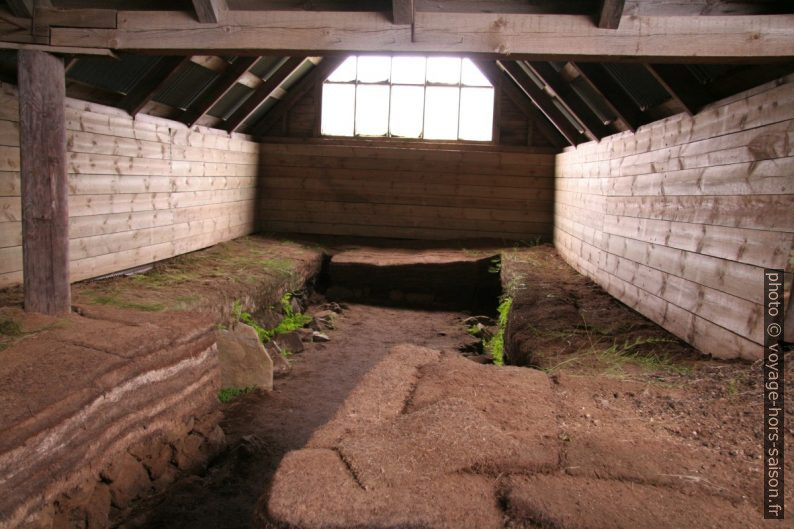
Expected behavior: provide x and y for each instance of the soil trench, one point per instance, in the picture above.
(262, 427)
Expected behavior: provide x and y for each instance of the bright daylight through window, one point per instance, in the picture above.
(435, 98)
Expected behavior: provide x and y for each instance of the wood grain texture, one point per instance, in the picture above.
(388, 191)
(138, 191)
(44, 189)
(679, 219)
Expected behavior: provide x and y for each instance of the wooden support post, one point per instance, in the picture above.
(45, 211)
(403, 11)
(209, 11)
(610, 13)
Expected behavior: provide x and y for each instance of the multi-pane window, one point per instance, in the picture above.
(438, 98)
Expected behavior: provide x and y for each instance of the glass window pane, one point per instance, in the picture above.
(476, 114)
(471, 75)
(338, 103)
(408, 70)
(373, 69)
(407, 105)
(345, 72)
(441, 113)
(443, 70)
(372, 110)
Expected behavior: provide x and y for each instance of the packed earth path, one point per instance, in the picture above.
(262, 427)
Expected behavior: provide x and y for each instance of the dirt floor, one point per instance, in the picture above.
(612, 407)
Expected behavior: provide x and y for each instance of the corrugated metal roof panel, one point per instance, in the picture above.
(260, 112)
(114, 75)
(266, 66)
(231, 101)
(706, 73)
(297, 75)
(187, 83)
(639, 84)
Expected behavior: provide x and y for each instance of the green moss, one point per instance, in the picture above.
(229, 394)
(290, 322)
(496, 345)
(10, 328)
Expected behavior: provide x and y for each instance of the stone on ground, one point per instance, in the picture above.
(244, 362)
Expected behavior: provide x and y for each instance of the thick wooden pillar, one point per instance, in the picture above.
(45, 213)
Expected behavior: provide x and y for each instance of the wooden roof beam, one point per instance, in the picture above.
(646, 39)
(271, 84)
(158, 76)
(544, 102)
(494, 74)
(619, 101)
(403, 11)
(609, 14)
(594, 128)
(217, 90)
(682, 86)
(210, 11)
(317, 75)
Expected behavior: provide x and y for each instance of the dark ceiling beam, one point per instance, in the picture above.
(403, 11)
(158, 76)
(622, 104)
(594, 128)
(318, 74)
(262, 92)
(217, 90)
(497, 77)
(543, 101)
(609, 14)
(209, 11)
(682, 86)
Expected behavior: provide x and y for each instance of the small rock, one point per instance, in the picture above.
(320, 337)
(281, 367)
(305, 334)
(295, 305)
(289, 341)
(486, 321)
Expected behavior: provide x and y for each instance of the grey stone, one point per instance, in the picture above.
(243, 359)
(281, 367)
(289, 341)
(320, 337)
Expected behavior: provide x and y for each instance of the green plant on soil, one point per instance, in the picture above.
(229, 394)
(113, 301)
(291, 321)
(496, 345)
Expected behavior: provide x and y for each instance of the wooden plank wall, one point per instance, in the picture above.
(406, 191)
(140, 191)
(679, 220)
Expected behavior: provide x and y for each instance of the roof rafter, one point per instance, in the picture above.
(157, 77)
(543, 101)
(271, 84)
(217, 90)
(301, 88)
(620, 102)
(681, 85)
(594, 128)
(403, 11)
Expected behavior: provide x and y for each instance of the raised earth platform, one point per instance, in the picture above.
(99, 408)
(436, 278)
(430, 439)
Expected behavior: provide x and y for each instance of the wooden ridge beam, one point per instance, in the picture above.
(594, 128)
(317, 75)
(544, 102)
(210, 11)
(217, 90)
(609, 14)
(154, 79)
(651, 39)
(619, 101)
(497, 77)
(681, 85)
(271, 84)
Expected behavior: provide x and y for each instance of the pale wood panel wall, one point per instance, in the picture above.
(140, 191)
(679, 219)
(406, 191)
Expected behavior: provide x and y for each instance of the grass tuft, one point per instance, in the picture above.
(229, 394)
(496, 345)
